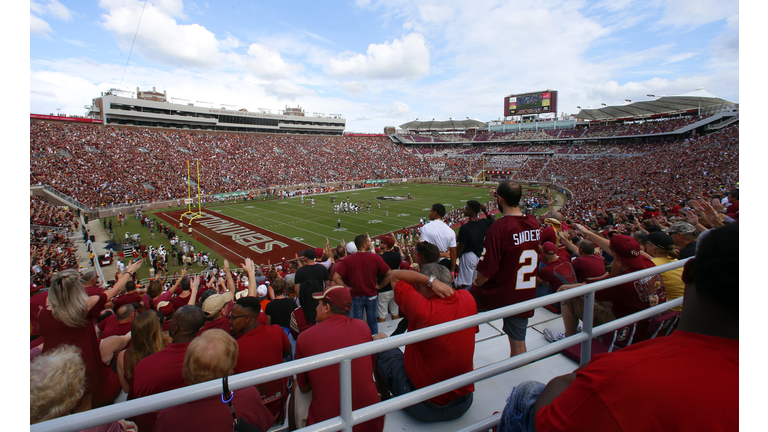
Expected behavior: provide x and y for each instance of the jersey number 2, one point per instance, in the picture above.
(529, 260)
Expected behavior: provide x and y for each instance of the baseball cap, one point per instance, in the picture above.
(682, 228)
(309, 253)
(549, 248)
(627, 248)
(336, 295)
(351, 248)
(658, 238)
(241, 294)
(548, 235)
(318, 252)
(214, 303)
(262, 290)
(387, 240)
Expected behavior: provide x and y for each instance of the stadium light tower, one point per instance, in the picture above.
(603, 104)
(578, 107)
(628, 100)
(650, 95)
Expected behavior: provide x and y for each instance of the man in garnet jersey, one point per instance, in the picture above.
(509, 265)
(662, 384)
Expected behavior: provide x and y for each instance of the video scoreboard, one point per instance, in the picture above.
(543, 102)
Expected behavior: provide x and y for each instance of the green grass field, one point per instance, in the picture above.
(311, 225)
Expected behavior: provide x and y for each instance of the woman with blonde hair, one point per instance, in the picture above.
(57, 383)
(68, 319)
(146, 339)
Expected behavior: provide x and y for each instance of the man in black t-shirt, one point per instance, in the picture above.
(469, 244)
(310, 269)
(279, 310)
(386, 295)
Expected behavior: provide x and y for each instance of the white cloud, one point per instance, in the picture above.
(354, 89)
(58, 10)
(160, 38)
(268, 64)
(38, 26)
(398, 109)
(402, 58)
(680, 57)
(435, 14)
(695, 13)
(228, 43)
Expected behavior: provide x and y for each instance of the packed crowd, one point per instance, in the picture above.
(84, 161)
(50, 248)
(613, 129)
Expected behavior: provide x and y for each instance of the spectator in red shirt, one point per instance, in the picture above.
(428, 299)
(260, 346)
(122, 324)
(213, 356)
(359, 271)
(555, 272)
(161, 371)
(132, 295)
(336, 330)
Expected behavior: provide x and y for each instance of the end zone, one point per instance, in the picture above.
(236, 240)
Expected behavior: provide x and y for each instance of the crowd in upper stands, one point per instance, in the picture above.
(613, 129)
(100, 166)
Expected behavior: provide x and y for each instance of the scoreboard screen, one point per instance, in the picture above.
(531, 103)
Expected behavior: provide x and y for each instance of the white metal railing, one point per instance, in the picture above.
(344, 356)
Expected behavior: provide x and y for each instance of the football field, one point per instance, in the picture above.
(278, 229)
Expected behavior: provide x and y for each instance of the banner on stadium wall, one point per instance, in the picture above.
(60, 118)
(230, 195)
(376, 181)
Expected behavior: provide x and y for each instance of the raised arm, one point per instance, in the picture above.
(598, 240)
(248, 268)
(119, 285)
(230, 281)
(413, 278)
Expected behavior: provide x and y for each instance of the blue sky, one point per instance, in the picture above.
(383, 63)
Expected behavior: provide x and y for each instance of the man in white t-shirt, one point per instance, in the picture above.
(440, 235)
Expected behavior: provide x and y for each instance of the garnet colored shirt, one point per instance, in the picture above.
(57, 333)
(588, 267)
(262, 347)
(131, 297)
(444, 357)
(116, 329)
(359, 272)
(336, 332)
(558, 273)
(510, 262)
(634, 296)
(663, 384)
(299, 322)
(161, 371)
(209, 414)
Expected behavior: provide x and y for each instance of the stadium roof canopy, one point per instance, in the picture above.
(442, 125)
(663, 105)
